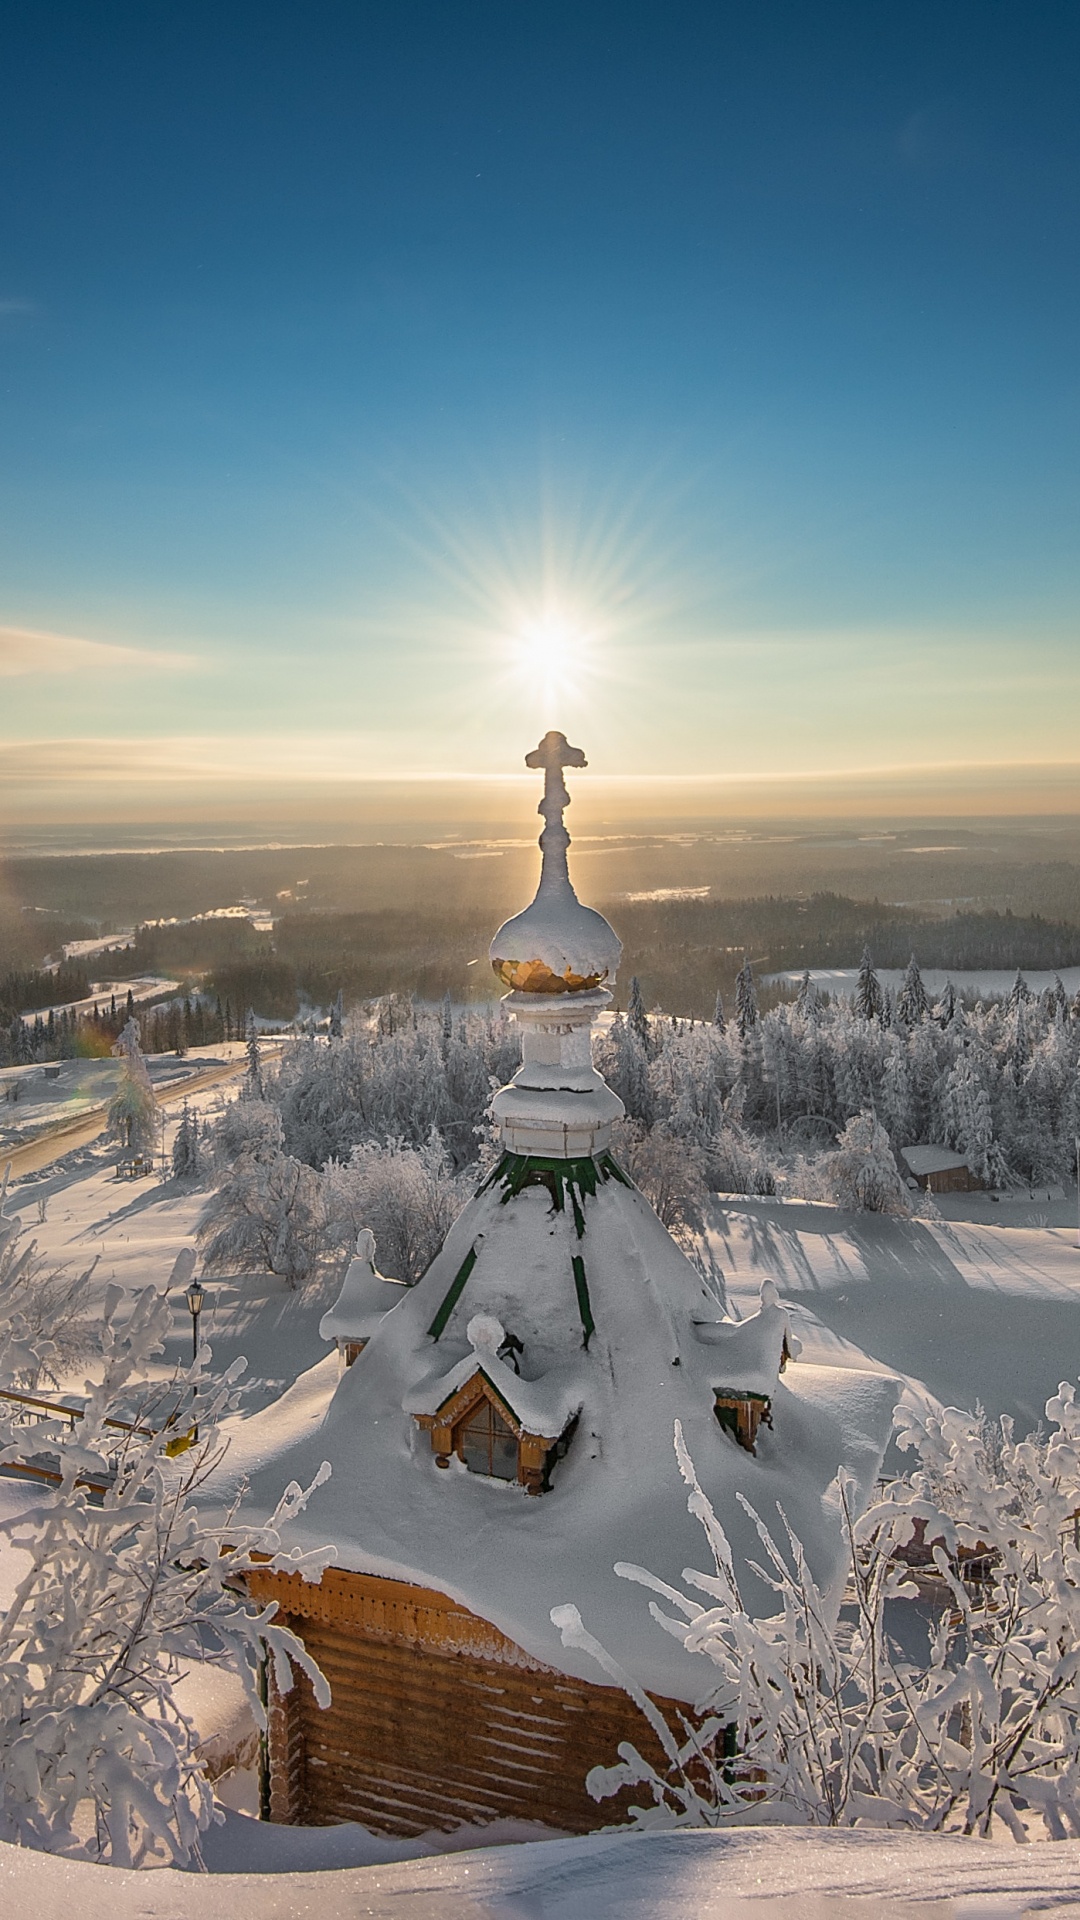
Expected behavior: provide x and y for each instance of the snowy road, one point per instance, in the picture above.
(58, 1141)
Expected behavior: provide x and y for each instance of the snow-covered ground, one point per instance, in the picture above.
(986, 983)
(756, 1873)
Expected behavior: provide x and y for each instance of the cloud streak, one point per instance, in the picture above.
(26, 652)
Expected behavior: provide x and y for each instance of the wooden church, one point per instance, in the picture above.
(501, 1434)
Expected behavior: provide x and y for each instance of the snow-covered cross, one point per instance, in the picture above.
(553, 754)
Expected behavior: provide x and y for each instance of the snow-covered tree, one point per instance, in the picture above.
(254, 1067)
(186, 1154)
(408, 1196)
(868, 999)
(122, 1582)
(669, 1171)
(746, 1006)
(636, 1017)
(806, 1000)
(133, 1110)
(862, 1173)
(826, 1719)
(337, 1016)
(911, 1002)
(969, 1122)
(266, 1215)
(719, 1021)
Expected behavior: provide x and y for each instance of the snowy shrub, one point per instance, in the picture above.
(833, 1724)
(49, 1304)
(249, 1129)
(266, 1215)
(862, 1174)
(121, 1582)
(670, 1173)
(408, 1196)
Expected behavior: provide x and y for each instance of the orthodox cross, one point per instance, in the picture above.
(553, 754)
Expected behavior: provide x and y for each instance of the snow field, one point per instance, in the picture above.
(752, 1873)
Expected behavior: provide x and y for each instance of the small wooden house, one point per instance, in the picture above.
(940, 1170)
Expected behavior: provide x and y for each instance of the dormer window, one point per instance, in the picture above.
(486, 1444)
(741, 1413)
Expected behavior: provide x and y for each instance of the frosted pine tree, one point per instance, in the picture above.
(1019, 993)
(636, 1018)
(868, 1001)
(133, 1110)
(911, 1002)
(186, 1157)
(746, 1006)
(806, 1000)
(254, 1085)
(969, 1123)
(718, 1013)
(945, 1010)
(862, 1173)
(337, 1016)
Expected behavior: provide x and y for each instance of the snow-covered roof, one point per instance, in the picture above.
(655, 1354)
(746, 1355)
(365, 1297)
(931, 1159)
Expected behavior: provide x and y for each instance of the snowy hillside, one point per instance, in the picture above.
(973, 1312)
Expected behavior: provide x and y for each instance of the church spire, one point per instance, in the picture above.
(556, 945)
(556, 958)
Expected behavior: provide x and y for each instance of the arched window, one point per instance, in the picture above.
(486, 1443)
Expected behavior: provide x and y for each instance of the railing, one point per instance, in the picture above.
(36, 1409)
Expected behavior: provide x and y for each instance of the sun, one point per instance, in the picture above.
(554, 652)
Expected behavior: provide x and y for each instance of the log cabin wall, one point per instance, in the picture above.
(437, 1720)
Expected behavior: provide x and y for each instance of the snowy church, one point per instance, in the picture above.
(501, 1434)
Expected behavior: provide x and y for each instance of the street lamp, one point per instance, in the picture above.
(195, 1295)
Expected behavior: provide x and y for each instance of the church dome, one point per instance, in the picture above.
(556, 945)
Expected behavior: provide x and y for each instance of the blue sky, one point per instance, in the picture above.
(383, 384)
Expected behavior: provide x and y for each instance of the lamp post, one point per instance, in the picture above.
(195, 1295)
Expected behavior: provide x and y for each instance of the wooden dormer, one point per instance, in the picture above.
(741, 1413)
(477, 1423)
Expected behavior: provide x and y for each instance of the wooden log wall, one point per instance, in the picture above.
(437, 1719)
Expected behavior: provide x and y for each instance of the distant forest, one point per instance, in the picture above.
(683, 951)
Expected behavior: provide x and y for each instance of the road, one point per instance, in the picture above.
(54, 1143)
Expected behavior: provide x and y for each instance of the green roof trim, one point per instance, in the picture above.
(453, 1294)
(581, 1287)
(573, 1179)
